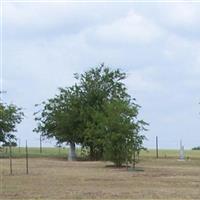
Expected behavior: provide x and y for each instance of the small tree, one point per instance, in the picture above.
(122, 137)
(138, 139)
(10, 116)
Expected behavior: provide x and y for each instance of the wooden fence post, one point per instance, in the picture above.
(156, 146)
(10, 157)
(26, 158)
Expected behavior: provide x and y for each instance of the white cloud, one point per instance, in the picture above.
(130, 29)
(143, 80)
(182, 18)
(178, 47)
(183, 14)
(36, 20)
(44, 19)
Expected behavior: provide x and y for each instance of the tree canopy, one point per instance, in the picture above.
(61, 117)
(96, 112)
(10, 116)
(121, 128)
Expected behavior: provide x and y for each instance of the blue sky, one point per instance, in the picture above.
(156, 44)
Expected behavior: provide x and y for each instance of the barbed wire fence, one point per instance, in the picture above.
(23, 151)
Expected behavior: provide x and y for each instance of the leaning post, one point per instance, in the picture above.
(156, 146)
(26, 158)
(10, 157)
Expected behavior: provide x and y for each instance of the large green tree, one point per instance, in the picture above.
(10, 116)
(96, 112)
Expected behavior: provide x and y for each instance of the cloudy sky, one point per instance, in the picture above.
(156, 44)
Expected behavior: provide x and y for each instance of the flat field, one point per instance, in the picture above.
(34, 152)
(56, 178)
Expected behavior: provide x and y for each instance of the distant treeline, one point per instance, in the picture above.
(196, 148)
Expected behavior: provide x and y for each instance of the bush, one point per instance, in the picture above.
(115, 150)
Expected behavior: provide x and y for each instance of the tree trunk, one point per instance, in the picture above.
(72, 152)
(134, 159)
(91, 152)
(96, 152)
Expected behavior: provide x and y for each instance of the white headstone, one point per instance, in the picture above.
(181, 151)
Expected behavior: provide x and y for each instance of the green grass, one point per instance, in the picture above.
(170, 153)
(53, 152)
(34, 152)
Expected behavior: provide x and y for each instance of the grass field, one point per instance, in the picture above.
(53, 177)
(34, 152)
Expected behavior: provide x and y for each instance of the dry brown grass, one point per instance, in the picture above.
(59, 179)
